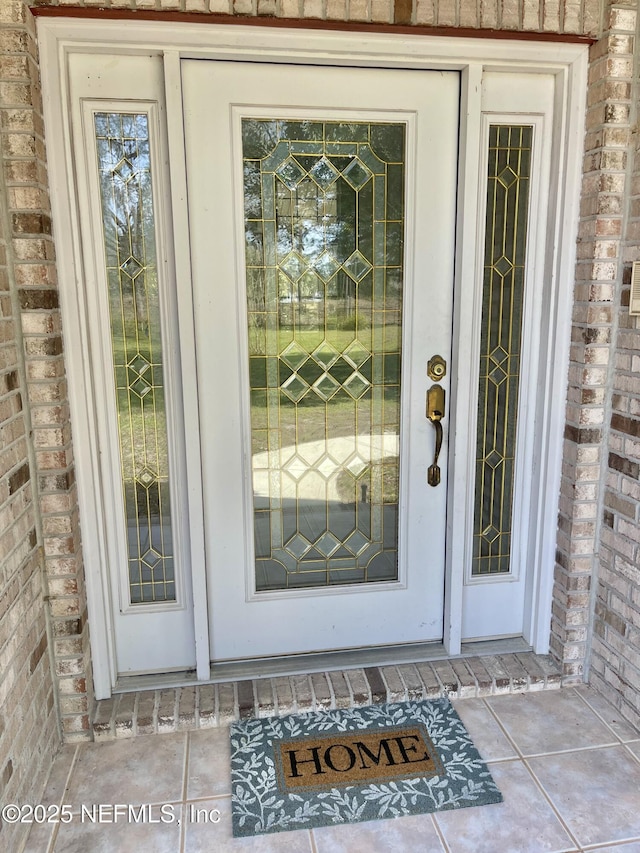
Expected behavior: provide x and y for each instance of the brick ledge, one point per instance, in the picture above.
(203, 706)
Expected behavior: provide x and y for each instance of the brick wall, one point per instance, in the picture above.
(598, 274)
(29, 732)
(554, 16)
(615, 661)
(34, 278)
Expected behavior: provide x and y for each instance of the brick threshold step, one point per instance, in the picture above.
(205, 706)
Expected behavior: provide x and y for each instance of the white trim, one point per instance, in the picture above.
(465, 332)
(73, 307)
(567, 61)
(186, 347)
(530, 103)
(386, 50)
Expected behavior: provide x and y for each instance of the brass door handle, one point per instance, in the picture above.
(435, 413)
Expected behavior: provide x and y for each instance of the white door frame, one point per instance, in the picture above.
(566, 62)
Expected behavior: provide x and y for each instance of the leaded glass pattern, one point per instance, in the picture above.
(509, 171)
(324, 222)
(124, 164)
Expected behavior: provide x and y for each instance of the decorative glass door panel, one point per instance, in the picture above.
(122, 141)
(324, 242)
(322, 262)
(509, 172)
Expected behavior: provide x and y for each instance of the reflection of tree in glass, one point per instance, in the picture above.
(320, 228)
(128, 221)
(127, 211)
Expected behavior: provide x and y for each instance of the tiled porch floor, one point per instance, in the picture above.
(567, 764)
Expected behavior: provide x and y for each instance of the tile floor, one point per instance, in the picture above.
(567, 765)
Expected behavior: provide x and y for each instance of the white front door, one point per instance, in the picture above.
(323, 441)
(322, 215)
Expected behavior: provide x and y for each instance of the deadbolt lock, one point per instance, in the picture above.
(436, 368)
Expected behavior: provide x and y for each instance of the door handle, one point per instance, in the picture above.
(435, 413)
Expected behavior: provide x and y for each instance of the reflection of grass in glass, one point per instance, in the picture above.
(311, 407)
(388, 466)
(315, 422)
(136, 425)
(341, 337)
(125, 352)
(143, 433)
(314, 414)
(353, 321)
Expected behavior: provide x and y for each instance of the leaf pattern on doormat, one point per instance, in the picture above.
(259, 805)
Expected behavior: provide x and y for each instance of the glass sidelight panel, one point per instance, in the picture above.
(509, 172)
(324, 223)
(122, 141)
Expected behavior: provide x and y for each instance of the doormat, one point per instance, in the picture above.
(330, 767)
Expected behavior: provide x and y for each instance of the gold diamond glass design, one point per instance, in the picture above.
(324, 226)
(509, 173)
(122, 141)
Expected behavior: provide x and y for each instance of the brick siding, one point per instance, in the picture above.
(29, 728)
(582, 17)
(615, 657)
(598, 276)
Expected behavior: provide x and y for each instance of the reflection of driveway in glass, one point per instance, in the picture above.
(326, 458)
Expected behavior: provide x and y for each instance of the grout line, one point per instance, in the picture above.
(606, 845)
(331, 691)
(634, 755)
(525, 763)
(185, 782)
(206, 797)
(134, 720)
(155, 711)
(520, 757)
(440, 833)
(54, 834)
(598, 715)
(185, 766)
(236, 701)
(510, 740)
(585, 748)
(312, 842)
(508, 759)
(183, 828)
(555, 810)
